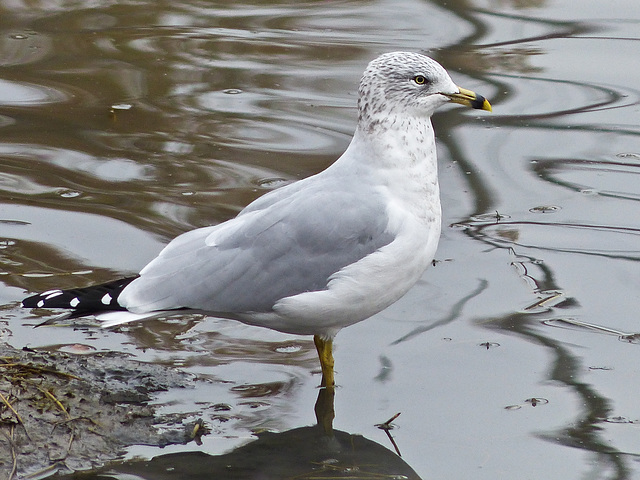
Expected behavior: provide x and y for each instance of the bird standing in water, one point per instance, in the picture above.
(320, 254)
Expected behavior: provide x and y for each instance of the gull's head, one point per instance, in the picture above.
(409, 84)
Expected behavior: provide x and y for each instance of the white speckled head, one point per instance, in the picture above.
(402, 83)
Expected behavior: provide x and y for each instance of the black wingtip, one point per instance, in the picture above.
(87, 300)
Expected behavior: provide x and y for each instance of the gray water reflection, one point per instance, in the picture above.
(306, 452)
(299, 453)
(229, 101)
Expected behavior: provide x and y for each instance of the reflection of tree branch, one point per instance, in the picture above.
(476, 230)
(455, 313)
(583, 433)
(567, 28)
(515, 60)
(469, 53)
(546, 167)
(574, 26)
(611, 97)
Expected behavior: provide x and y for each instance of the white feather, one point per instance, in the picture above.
(111, 319)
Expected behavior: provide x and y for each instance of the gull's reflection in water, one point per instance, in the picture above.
(302, 453)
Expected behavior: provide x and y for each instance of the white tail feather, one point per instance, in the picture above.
(111, 319)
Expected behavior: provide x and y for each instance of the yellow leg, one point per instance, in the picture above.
(325, 353)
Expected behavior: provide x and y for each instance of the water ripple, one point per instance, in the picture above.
(609, 178)
(601, 240)
(20, 93)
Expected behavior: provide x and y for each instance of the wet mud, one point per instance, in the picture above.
(61, 412)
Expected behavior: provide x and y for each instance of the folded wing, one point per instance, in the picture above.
(290, 246)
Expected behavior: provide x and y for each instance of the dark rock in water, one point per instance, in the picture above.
(302, 453)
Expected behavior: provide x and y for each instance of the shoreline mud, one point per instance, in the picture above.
(61, 412)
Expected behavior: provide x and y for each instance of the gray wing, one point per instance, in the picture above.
(293, 245)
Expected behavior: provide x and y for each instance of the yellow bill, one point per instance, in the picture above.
(469, 99)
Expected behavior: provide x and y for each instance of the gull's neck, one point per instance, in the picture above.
(405, 144)
(397, 154)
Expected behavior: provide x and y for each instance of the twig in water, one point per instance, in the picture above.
(387, 426)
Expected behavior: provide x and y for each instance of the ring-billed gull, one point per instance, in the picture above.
(320, 254)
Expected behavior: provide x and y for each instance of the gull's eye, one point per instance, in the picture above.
(420, 79)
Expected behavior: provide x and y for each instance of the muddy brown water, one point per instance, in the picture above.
(123, 124)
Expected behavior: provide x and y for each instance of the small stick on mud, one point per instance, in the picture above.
(52, 397)
(36, 369)
(14, 456)
(6, 402)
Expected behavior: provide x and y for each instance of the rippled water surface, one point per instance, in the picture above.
(125, 123)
